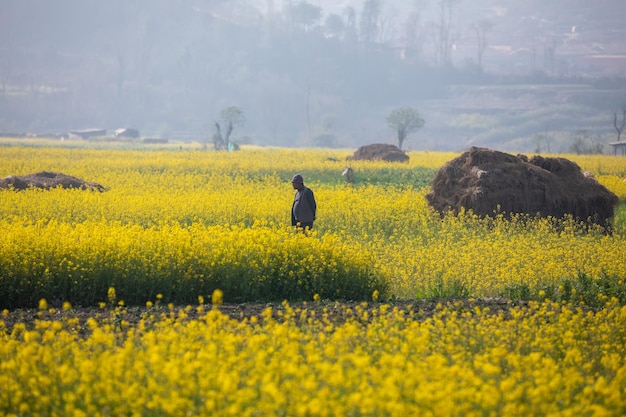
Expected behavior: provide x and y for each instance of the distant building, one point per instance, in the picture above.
(127, 132)
(603, 65)
(87, 133)
(618, 147)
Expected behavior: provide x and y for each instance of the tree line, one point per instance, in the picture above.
(302, 75)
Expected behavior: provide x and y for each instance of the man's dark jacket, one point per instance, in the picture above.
(304, 207)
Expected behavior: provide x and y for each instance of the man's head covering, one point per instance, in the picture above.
(297, 179)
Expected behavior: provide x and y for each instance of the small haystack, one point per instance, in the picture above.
(379, 151)
(487, 181)
(47, 180)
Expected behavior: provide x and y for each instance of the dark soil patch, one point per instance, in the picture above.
(333, 312)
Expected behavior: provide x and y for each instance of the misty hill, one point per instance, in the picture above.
(547, 73)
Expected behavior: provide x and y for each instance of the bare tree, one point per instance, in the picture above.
(585, 144)
(305, 15)
(540, 140)
(218, 140)
(481, 28)
(369, 20)
(444, 40)
(549, 57)
(619, 128)
(413, 30)
(351, 35)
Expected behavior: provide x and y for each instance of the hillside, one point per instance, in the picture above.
(168, 70)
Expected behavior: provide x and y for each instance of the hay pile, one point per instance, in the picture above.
(488, 181)
(379, 151)
(47, 180)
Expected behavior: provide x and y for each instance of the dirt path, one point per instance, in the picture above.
(336, 312)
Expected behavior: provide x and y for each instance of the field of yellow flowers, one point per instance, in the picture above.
(178, 225)
(542, 359)
(183, 223)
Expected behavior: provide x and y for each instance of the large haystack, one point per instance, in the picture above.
(47, 180)
(379, 151)
(487, 181)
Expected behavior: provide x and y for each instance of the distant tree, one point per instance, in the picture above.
(444, 38)
(404, 121)
(306, 15)
(619, 127)
(413, 31)
(231, 117)
(370, 16)
(542, 142)
(218, 139)
(334, 25)
(585, 144)
(351, 35)
(549, 57)
(481, 28)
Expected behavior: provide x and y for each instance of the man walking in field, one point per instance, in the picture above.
(304, 206)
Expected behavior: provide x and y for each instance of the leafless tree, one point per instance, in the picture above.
(413, 29)
(305, 15)
(370, 16)
(549, 56)
(619, 128)
(541, 140)
(444, 40)
(351, 35)
(481, 28)
(218, 140)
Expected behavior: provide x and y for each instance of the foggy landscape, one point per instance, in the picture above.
(532, 76)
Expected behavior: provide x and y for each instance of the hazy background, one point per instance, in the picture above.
(523, 76)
